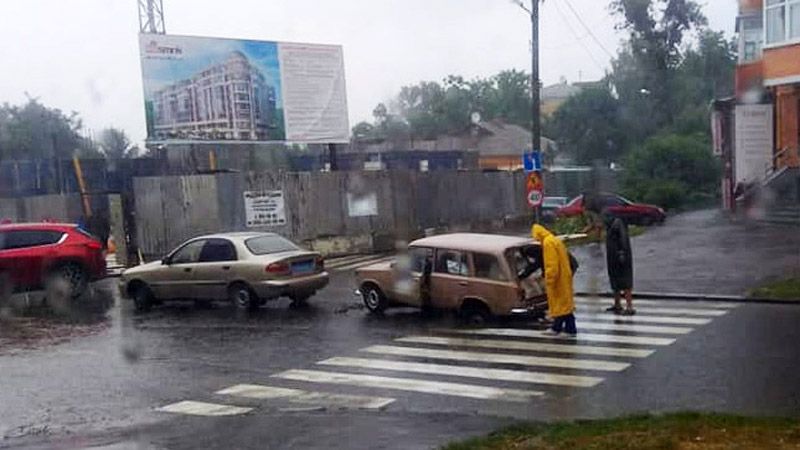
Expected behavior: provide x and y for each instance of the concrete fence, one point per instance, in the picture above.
(333, 212)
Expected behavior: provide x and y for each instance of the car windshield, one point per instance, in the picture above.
(268, 244)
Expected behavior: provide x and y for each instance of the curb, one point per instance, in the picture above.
(680, 296)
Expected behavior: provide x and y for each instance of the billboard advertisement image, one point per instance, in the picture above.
(209, 89)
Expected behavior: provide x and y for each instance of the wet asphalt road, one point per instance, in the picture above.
(103, 390)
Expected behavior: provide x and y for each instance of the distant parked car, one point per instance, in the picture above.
(46, 255)
(248, 269)
(550, 205)
(632, 213)
(476, 275)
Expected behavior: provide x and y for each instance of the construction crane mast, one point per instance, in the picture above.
(151, 16)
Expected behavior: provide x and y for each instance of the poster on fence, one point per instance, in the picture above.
(264, 208)
(362, 205)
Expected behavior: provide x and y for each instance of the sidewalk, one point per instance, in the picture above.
(699, 252)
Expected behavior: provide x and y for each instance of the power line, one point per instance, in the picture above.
(588, 30)
(577, 37)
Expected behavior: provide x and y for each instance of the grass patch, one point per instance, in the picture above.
(687, 431)
(786, 289)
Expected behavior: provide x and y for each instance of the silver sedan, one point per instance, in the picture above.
(246, 268)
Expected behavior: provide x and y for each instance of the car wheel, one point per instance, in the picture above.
(143, 298)
(243, 297)
(374, 299)
(475, 314)
(68, 281)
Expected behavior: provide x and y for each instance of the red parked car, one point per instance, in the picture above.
(630, 212)
(32, 256)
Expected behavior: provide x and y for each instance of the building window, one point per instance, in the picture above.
(751, 38)
(783, 20)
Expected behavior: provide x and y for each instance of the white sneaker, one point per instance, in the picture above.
(551, 333)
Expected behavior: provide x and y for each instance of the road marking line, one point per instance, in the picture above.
(332, 264)
(586, 337)
(498, 358)
(640, 318)
(259, 392)
(528, 346)
(520, 376)
(364, 264)
(632, 327)
(675, 311)
(665, 303)
(411, 385)
(194, 408)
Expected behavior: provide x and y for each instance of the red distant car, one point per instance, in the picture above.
(630, 212)
(34, 255)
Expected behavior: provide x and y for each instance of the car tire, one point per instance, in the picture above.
(475, 314)
(242, 297)
(143, 298)
(374, 299)
(68, 281)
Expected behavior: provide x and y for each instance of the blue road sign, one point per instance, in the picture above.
(532, 162)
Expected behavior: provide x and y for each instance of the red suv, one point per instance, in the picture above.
(34, 255)
(618, 206)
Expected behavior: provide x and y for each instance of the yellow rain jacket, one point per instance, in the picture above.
(557, 272)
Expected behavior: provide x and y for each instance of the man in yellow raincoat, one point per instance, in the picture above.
(558, 281)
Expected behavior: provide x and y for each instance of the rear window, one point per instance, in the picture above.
(13, 240)
(265, 245)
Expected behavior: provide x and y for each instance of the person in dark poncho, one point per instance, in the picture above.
(619, 259)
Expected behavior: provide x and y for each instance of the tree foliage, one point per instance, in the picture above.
(115, 144)
(34, 131)
(431, 109)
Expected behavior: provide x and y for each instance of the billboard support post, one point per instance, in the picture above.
(332, 156)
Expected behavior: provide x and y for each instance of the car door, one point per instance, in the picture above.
(407, 285)
(450, 279)
(492, 283)
(24, 254)
(175, 279)
(214, 270)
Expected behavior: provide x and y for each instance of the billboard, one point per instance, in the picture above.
(754, 142)
(211, 89)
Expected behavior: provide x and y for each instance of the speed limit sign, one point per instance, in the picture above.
(535, 198)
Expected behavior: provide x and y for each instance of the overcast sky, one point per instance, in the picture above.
(82, 55)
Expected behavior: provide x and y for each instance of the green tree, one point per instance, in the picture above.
(116, 145)
(588, 126)
(34, 131)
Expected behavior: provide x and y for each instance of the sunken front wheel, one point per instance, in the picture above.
(142, 298)
(243, 297)
(374, 299)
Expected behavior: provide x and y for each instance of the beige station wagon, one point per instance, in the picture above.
(246, 268)
(477, 275)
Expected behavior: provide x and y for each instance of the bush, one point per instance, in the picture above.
(672, 171)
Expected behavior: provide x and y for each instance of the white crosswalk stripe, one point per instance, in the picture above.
(260, 392)
(498, 358)
(656, 310)
(520, 376)
(587, 337)
(664, 303)
(193, 408)
(409, 384)
(640, 318)
(527, 346)
(634, 328)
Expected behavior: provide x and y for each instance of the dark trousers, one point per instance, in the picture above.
(565, 323)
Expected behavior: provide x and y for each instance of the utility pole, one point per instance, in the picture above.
(536, 121)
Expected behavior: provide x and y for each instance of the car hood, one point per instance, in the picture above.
(144, 268)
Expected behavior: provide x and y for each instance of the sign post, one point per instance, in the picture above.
(532, 162)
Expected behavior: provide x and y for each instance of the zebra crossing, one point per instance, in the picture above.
(470, 363)
(348, 263)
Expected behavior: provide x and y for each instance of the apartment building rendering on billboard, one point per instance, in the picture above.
(229, 100)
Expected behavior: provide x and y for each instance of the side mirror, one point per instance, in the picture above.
(166, 261)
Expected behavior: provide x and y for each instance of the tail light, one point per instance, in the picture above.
(320, 262)
(279, 268)
(94, 245)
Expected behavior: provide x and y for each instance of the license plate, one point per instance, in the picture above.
(303, 267)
